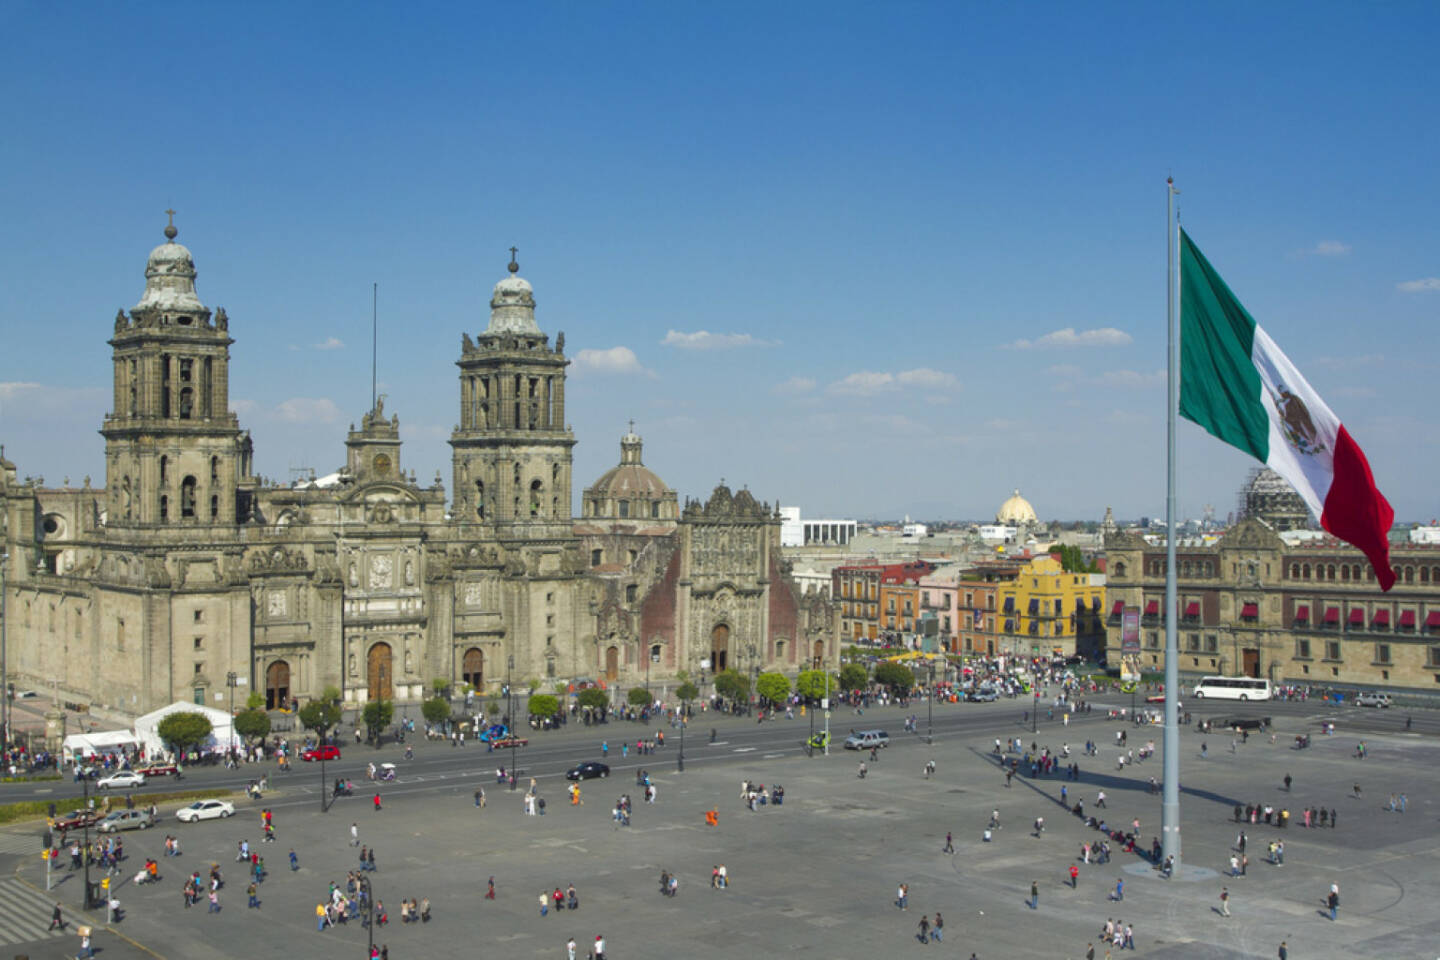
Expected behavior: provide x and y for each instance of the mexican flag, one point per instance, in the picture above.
(1237, 384)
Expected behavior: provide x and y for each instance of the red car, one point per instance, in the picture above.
(326, 751)
(74, 820)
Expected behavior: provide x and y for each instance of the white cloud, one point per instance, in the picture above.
(705, 340)
(794, 386)
(925, 377)
(1329, 248)
(868, 383)
(1363, 360)
(1070, 337)
(307, 410)
(1423, 285)
(1129, 378)
(10, 389)
(863, 383)
(615, 360)
(330, 343)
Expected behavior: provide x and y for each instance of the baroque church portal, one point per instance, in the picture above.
(184, 567)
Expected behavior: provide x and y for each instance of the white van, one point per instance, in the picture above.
(867, 740)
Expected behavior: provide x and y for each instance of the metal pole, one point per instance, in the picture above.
(827, 713)
(680, 764)
(1170, 800)
(4, 648)
(930, 707)
(510, 706)
(85, 854)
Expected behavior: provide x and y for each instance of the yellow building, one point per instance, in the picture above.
(1046, 611)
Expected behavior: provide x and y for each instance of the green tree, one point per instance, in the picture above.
(256, 700)
(439, 685)
(184, 730)
(377, 716)
(732, 685)
(853, 676)
(594, 698)
(638, 696)
(253, 724)
(1072, 559)
(544, 705)
(773, 686)
(896, 676)
(436, 711)
(687, 691)
(322, 716)
(815, 684)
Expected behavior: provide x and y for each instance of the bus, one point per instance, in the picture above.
(1232, 688)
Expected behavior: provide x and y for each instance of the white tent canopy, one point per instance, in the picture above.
(105, 741)
(222, 734)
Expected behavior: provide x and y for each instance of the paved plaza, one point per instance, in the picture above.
(818, 875)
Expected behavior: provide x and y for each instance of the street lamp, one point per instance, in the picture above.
(85, 790)
(368, 892)
(230, 679)
(4, 648)
(930, 707)
(510, 708)
(755, 672)
(680, 763)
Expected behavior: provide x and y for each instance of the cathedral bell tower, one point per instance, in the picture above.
(174, 453)
(512, 448)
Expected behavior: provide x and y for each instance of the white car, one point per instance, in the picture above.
(205, 810)
(121, 780)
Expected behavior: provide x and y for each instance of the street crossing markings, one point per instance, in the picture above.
(25, 913)
(745, 749)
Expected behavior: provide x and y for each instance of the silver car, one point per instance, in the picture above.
(126, 820)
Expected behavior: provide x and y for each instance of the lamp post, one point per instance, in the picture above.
(230, 679)
(680, 763)
(369, 892)
(4, 648)
(85, 855)
(930, 707)
(510, 709)
(755, 673)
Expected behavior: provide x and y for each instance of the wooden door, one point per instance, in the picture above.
(380, 672)
(1251, 662)
(472, 669)
(719, 648)
(277, 685)
(612, 664)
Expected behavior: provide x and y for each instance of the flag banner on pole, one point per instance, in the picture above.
(1237, 383)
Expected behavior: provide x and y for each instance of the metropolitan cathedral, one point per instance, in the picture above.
(185, 577)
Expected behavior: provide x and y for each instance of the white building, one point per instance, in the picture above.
(797, 532)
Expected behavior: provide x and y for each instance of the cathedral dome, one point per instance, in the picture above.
(512, 304)
(170, 279)
(630, 490)
(1016, 510)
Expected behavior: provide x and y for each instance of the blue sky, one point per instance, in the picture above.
(884, 217)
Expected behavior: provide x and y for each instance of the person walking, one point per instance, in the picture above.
(294, 861)
(570, 949)
(902, 896)
(214, 900)
(1284, 953)
(354, 834)
(1034, 895)
(57, 919)
(924, 925)
(949, 843)
(1074, 877)
(1333, 902)
(1224, 901)
(252, 892)
(1287, 783)
(939, 931)
(1120, 889)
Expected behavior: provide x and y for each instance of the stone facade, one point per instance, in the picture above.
(184, 568)
(1298, 608)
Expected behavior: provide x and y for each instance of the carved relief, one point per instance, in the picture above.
(275, 604)
(381, 568)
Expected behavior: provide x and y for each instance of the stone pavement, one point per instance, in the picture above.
(818, 875)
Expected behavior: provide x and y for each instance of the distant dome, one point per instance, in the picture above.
(1017, 511)
(1269, 497)
(629, 480)
(170, 279)
(630, 490)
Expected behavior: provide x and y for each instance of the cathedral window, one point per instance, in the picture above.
(133, 389)
(624, 508)
(206, 389)
(164, 508)
(164, 469)
(214, 469)
(655, 510)
(631, 592)
(187, 402)
(164, 384)
(214, 508)
(536, 490)
(597, 557)
(480, 499)
(187, 498)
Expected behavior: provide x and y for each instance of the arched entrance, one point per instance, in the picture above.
(612, 664)
(720, 648)
(818, 654)
(277, 685)
(472, 668)
(379, 672)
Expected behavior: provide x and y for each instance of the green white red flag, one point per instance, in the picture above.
(1238, 384)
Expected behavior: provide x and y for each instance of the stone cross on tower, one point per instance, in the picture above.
(514, 267)
(170, 230)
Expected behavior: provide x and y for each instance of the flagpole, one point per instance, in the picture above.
(1170, 800)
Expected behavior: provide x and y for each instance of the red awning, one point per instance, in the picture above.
(1407, 618)
(1119, 605)
(1152, 608)
(1357, 615)
(1250, 610)
(1381, 618)
(1332, 614)
(1192, 609)
(1433, 620)
(1302, 613)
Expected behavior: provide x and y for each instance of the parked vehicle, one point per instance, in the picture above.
(982, 695)
(326, 751)
(74, 820)
(819, 741)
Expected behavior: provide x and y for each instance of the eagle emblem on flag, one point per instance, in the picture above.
(1295, 421)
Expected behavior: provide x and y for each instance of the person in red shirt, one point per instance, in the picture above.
(1074, 877)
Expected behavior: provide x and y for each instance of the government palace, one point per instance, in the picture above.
(184, 575)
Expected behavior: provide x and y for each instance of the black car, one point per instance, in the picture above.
(586, 770)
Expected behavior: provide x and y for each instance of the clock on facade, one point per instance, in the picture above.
(381, 464)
